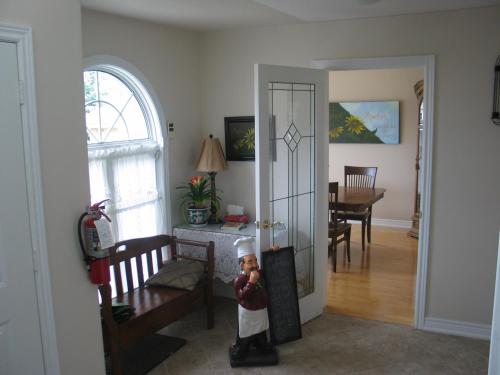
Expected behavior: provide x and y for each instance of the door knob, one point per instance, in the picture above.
(266, 224)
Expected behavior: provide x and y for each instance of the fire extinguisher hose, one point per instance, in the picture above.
(86, 258)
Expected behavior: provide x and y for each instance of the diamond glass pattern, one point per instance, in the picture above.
(292, 137)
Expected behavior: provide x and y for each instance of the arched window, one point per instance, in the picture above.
(125, 151)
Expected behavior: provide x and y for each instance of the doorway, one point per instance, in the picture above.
(379, 282)
(426, 63)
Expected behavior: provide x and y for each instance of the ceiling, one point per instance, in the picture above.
(204, 15)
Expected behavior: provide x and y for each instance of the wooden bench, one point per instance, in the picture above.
(155, 306)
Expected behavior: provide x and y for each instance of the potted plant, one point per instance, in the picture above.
(195, 203)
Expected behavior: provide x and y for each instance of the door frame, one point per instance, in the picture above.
(22, 37)
(427, 63)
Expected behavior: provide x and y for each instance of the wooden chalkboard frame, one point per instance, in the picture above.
(267, 257)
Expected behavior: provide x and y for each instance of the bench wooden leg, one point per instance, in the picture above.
(111, 336)
(116, 364)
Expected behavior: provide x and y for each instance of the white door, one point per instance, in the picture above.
(20, 340)
(291, 155)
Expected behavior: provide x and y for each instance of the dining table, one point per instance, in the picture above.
(352, 198)
(357, 199)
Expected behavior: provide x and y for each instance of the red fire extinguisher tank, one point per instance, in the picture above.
(97, 259)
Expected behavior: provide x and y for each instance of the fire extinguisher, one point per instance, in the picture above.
(96, 258)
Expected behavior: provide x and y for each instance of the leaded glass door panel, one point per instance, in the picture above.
(292, 173)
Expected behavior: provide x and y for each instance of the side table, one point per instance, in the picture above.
(226, 256)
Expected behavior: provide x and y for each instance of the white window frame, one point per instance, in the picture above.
(155, 117)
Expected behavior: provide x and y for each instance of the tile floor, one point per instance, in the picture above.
(331, 344)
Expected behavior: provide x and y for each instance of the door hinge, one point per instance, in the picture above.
(21, 92)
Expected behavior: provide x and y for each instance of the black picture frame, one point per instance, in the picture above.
(240, 138)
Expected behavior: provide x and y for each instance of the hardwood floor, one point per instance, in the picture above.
(378, 284)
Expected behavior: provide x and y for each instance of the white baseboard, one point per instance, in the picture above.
(405, 224)
(453, 327)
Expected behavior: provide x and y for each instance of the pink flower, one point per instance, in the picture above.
(196, 180)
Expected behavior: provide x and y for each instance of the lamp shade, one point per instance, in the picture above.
(211, 157)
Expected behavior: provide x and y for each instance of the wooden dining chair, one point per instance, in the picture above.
(338, 230)
(362, 177)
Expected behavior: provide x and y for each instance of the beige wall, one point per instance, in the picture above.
(63, 159)
(169, 59)
(466, 153)
(396, 163)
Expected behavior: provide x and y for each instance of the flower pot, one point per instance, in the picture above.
(198, 217)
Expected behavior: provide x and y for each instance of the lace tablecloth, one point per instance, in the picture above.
(226, 255)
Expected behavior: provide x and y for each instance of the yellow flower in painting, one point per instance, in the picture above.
(355, 124)
(247, 141)
(336, 132)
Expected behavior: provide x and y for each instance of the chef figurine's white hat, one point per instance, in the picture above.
(245, 245)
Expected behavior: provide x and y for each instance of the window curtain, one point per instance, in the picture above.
(127, 174)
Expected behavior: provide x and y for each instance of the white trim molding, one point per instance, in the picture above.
(23, 38)
(403, 224)
(457, 328)
(427, 63)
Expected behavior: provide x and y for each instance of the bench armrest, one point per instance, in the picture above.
(209, 261)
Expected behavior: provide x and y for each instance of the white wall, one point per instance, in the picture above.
(396, 163)
(466, 152)
(63, 158)
(169, 59)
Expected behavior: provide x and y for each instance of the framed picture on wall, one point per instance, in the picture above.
(240, 138)
(364, 122)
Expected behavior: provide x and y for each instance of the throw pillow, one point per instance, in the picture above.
(181, 274)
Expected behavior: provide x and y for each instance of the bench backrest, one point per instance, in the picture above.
(142, 257)
(133, 253)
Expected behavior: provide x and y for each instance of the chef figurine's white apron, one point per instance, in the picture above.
(251, 321)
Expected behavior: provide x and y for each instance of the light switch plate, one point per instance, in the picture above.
(171, 129)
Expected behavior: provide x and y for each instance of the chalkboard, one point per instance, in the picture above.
(283, 302)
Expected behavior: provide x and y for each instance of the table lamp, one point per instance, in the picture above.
(212, 161)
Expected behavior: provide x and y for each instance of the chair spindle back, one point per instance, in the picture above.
(362, 177)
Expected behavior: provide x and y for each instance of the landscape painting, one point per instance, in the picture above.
(364, 122)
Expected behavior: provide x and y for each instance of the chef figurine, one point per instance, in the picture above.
(251, 295)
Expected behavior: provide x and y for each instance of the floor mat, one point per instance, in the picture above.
(147, 354)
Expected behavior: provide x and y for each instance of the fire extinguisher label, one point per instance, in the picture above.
(92, 241)
(105, 233)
